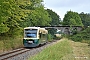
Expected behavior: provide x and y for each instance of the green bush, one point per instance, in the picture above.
(83, 35)
(9, 43)
(50, 37)
(77, 37)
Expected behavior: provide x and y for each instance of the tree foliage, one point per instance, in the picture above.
(17, 14)
(83, 35)
(72, 18)
(4, 15)
(85, 17)
(38, 17)
(55, 18)
(11, 15)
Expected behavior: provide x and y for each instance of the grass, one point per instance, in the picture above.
(64, 50)
(8, 43)
(86, 41)
(81, 51)
(54, 52)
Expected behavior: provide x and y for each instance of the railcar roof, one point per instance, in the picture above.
(32, 28)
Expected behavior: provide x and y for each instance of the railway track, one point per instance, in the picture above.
(13, 53)
(22, 53)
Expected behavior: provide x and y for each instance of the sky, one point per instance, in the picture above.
(62, 6)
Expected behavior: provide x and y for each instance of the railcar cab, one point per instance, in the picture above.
(33, 36)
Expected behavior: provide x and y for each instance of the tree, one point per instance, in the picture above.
(72, 22)
(3, 16)
(72, 18)
(85, 17)
(11, 14)
(38, 16)
(55, 17)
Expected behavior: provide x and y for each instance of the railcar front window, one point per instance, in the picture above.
(30, 33)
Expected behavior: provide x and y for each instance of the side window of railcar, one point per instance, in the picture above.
(43, 36)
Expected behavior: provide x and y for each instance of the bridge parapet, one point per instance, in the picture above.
(65, 29)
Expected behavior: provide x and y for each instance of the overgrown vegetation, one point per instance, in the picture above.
(17, 14)
(72, 19)
(85, 17)
(83, 36)
(54, 52)
(55, 18)
(64, 50)
(8, 43)
(50, 37)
